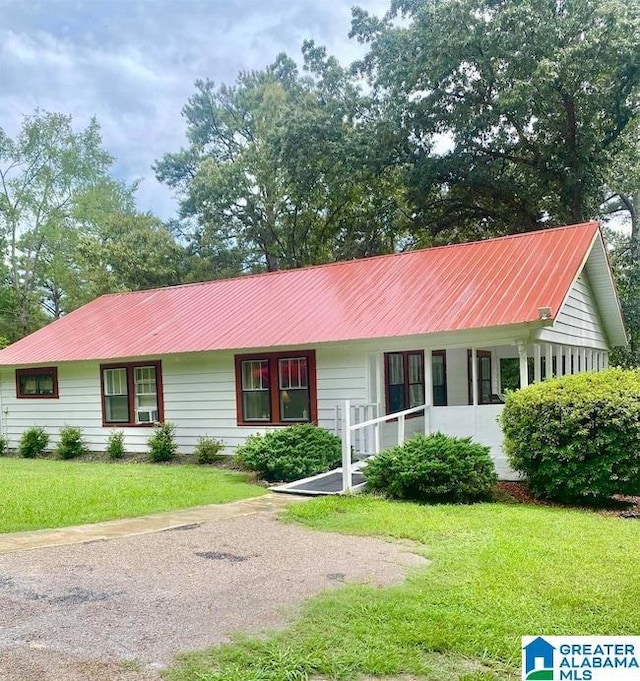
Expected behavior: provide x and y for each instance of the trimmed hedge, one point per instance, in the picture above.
(435, 468)
(576, 438)
(290, 453)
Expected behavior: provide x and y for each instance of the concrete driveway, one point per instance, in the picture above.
(120, 609)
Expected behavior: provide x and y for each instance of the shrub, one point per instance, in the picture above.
(71, 444)
(291, 453)
(576, 438)
(4, 444)
(435, 468)
(115, 444)
(33, 442)
(208, 450)
(162, 444)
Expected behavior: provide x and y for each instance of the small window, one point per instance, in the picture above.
(38, 383)
(132, 394)
(276, 388)
(483, 359)
(404, 372)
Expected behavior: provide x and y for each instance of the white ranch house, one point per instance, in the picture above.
(441, 332)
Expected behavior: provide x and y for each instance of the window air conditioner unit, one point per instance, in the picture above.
(147, 415)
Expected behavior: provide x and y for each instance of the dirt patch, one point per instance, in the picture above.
(620, 505)
(83, 611)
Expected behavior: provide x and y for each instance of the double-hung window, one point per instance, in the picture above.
(404, 379)
(132, 393)
(276, 388)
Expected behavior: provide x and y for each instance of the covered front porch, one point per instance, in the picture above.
(458, 391)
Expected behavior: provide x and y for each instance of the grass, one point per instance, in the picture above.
(498, 572)
(42, 494)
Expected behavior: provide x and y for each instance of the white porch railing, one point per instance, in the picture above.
(349, 430)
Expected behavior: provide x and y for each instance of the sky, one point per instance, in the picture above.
(132, 64)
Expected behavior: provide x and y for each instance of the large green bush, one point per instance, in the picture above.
(435, 468)
(576, 438)
(33, 442)
(291, 453)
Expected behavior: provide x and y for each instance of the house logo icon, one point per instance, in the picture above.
(537, 660)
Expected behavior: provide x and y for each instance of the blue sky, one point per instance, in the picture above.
(132, 63)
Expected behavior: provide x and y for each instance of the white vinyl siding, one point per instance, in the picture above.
(578, 322)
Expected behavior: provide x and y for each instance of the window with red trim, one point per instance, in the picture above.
(37, 383)
(276, 388)
(404, 379)
(132, 394)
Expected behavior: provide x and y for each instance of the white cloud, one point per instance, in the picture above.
(132, 64)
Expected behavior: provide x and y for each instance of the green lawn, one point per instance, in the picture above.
(36, 494)
(498, 572)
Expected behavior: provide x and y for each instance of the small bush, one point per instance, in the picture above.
(4, 446)
(208, 450)
(71, 444)
(162, 444)
(115, 444)
(291, 453)
(33, 442)
(436, 468)
(577, 438)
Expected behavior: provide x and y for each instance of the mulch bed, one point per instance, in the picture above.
(620, 505)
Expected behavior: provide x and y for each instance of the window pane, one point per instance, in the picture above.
(396, 398)
(255, 374)
(115, 382)
(28, 385)
(395, 369)
(116, 409)
(256, 405)
(416, 395)
(292, 372)
(416, 368)
(45, 384)
(294, 405)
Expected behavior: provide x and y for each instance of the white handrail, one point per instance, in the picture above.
(348, 429)
(387, 417)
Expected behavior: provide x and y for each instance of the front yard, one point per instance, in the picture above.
(499, 571)
(40, 494)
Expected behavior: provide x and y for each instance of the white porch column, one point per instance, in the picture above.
(548, 361)
(583, 360)
(559, 356)
(428, 390)
(537, 370)
(605, 360)
(346, 446)
(574, 361)
(474, 377)
(524, 369)
(590, 363)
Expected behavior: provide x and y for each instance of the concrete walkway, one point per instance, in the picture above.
(110, 529)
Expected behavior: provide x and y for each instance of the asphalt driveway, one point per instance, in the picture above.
(121, 609)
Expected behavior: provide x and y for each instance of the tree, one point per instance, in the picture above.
(279, 172)
(41, 172)
(534, 98)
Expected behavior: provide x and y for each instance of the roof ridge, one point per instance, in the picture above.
(338, 263)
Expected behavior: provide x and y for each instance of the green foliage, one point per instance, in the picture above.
(162, 444)
(115, 444)
(534, 99)
(435, 468)
(71, 444)
(577, 438)
(208, 450)
(33, 442)
(291, 453)
(4, 446)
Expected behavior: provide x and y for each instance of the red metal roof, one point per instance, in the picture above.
(467, 286)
